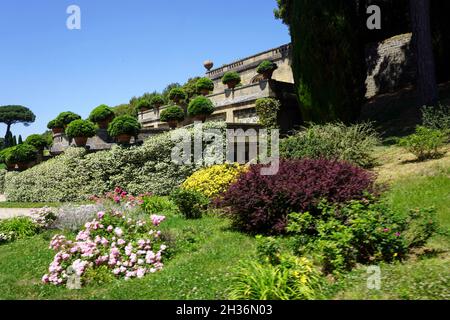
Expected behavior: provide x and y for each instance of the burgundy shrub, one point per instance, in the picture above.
(261, 204)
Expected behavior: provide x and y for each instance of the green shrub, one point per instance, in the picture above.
(21, 227)
(65, 118)
(267, 110)
(177, 94)
(157, 100)
(172, 113)
(4, 154)
(231, 77)
(37, 141)
(124, 125)
(2, 180)
(21, 153)
(436, 118)
(158, 205)
(81, 128)
(353, 144)
(266, 66)
(364, 232)
(425, 143)
(190, 203)
(76, 175)
(200, 106)
(101, 113)
(56, 123)
(143, 104)
(292, 278)
(204, 84)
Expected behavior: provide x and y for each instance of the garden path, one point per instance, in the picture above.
(6, 213)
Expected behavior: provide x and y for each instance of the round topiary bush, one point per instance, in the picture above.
(261, 203)
(157, 101)
(232, 79)
(54, 124)
(21, 153)
(37, 141)
(204, 85)
(172, 113)
(143, 105)
(124, 125)
(200, 107)
(177, 94)
(67, 117)
(102, 113)
(267, 67)
(81, 128)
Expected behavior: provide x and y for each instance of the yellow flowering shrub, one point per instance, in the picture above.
(214, 180)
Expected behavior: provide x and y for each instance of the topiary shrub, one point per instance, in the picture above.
(200, 106)
(172, 113)
(190, 203)
(65, 118)
(204, 85)
(21, 153)
(266, 66)
(143, 105)
(336, 141)
(81, 128)
(267, 110)
(425, 143)
(101, 113)
(124, 125)
(231, 79)
(260, 204)
(157, 101)
(37, 141)
(214, 180)
(177, 94)
(56, 123)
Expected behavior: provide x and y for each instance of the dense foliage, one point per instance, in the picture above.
(204, 84)
(200, 106)
(261, 204)
(267, 110)
(177, 94)
(157, 100)
(67, 117)
(436, 117)
(124, 125)
(21, 153)
(172, 113)
(76, 174)
(425, 143)
(214, 180)
(55, 123)
(266, 66)
(143, 105)
(190, 203)
(353, 143)
(10, 115)
(81, 128)
(230, 77)
(101, 113)
(37, 141)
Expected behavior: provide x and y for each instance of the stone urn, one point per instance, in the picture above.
(22, 166)
(80, 141)
(173, 124)
(268, 74)
(57, 130)
(232, 84)
(208, 64)
(204, 92)
(123, 138)
(11, 166)
(200, 117)
(104, 123)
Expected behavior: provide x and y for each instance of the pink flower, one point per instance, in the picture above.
(140, 273)
(45, 279)
(156, 220)
(118, 232)
(100, 215)
(121, 242)
(110, 228)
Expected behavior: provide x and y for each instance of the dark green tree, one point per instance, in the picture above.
(10, 115)
(20, 139)
(14, 143)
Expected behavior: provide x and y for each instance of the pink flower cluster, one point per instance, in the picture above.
(131, 249)
(120, 196)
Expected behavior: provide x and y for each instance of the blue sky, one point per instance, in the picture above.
(124, 48)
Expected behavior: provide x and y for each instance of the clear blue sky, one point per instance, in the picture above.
(124, 49)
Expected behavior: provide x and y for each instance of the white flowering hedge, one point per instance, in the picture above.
(76, 175)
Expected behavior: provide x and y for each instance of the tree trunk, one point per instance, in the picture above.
(426, 73)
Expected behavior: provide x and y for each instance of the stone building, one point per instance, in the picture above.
(237, 106)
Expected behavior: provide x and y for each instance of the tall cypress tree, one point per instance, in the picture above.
(20, 139)
(14, 141)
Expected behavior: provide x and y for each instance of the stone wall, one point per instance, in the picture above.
(390, 65)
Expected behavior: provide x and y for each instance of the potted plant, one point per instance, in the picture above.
(65, 118)
(143, 105)
(123, 128)
(177, 95)
(81, 131)
(172, 115)
(102, 116)
(56, 126)
(266, 68)
(157, 101)
(21, 155)
(200, 108)
(231, 79)
(204, 86)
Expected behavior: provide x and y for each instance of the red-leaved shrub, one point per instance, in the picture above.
(261, 204)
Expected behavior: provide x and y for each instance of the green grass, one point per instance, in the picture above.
(26, 205)
(207, 251)
(425, 276)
